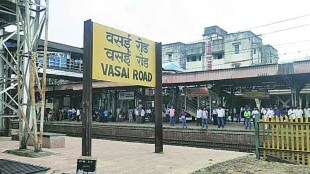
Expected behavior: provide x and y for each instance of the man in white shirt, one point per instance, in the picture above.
(142, 114)
(291, 113)
(204, 118)
(306, 111)
(299, 112)
(263, 111)
(78, 114)
(255, 114)
(137, 115)
(294, 113)
(199, 115)
(73, 114)
(119, 114)
(220, 116)
(270, 113)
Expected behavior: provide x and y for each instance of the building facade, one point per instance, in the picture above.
(220, 50)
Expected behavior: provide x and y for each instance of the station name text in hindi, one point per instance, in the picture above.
(122, 57)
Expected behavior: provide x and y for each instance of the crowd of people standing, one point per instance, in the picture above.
(217, 115)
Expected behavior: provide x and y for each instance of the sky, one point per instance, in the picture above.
(170, 21)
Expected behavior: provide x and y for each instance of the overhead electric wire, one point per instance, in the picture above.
(277, 22)
(236, 40)
(300, 26)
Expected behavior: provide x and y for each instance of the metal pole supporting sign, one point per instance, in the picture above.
(86, 163)
(158, 101)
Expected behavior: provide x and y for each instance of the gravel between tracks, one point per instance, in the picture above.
(249, 165)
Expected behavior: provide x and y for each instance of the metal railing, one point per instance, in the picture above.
(62, 65)
(227, 140)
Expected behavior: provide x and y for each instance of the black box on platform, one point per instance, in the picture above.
(86, 164)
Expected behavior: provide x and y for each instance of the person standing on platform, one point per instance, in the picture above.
(299, 112)
(149, 114)
(199, 115)
(214, 116)
(270, 113)
(142, 114)
(101, 116)
(78, 115)
(264, 115)
(118, 114)
(263, 111)
(294, 113)
(137, 115)
(167, 114)
(171, 116)
(69, 112)
(240, 115)
(183, 118)
(220, 116)
(130, 114)
(245, 109)
(247, 117)
(234, 114)
(105, 115)
(277, 111)
(290, 113)
(255, 113)
(73, 114)
(204, 118)
(308, 112)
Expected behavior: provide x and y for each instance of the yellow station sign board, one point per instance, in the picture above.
(122, 57)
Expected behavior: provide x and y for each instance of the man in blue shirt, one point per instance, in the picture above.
(277, 111)
(105, 115)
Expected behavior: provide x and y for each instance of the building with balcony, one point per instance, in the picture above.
(220, 50)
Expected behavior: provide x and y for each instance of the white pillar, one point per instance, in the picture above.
(258, 103)
(300, 100)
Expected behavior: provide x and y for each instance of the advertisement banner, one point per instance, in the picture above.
(126, 95)
(195, 92)
(252, 94)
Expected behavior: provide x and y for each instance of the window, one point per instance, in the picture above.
(193, 58)
(218, 56)
(188, 59)
(236, 65)
(170, 57)
(254, 51)
(237, 49)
